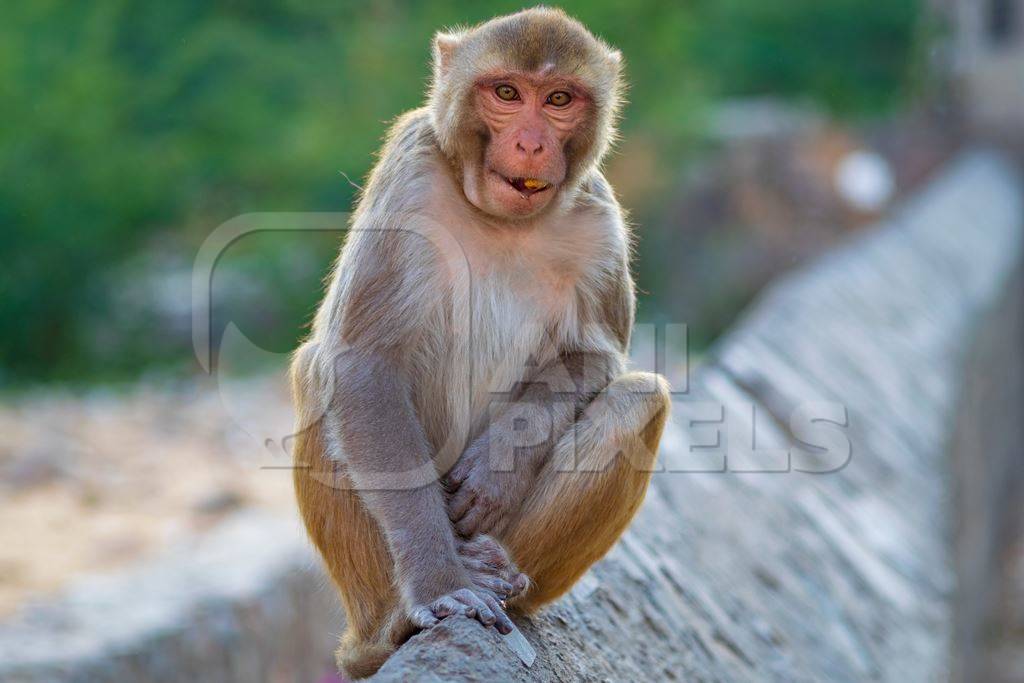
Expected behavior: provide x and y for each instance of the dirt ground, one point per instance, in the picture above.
(100, 479)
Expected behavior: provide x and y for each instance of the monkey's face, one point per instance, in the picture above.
(527, 120)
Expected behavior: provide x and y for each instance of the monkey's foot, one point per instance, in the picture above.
(490, 567)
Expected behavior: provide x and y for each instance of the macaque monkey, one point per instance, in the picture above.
(469, 440)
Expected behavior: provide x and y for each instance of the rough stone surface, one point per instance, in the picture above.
(727, 573)
(989, 520)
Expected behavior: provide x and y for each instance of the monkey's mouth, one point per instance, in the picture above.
(527, 186)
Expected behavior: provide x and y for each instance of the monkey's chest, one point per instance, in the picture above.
(498, 333)
(518, 322)
(518, 326)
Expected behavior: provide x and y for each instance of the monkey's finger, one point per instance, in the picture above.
(501, 620)
(454, 479)
(484, 614)
(451, 481)
(480, 548)
(500, 587)
(460, 503)
(468, 525)
(447, 605)
(463, 468)
(422, 617)
(520, 584)
(479, 566)
(490, 551)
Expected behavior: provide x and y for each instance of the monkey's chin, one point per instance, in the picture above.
(500, 197)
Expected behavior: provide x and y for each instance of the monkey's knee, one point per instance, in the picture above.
(626, 419)
(592, 487)
(658, 410)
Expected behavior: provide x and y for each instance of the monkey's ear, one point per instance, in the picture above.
(614, 57)
(445, 45)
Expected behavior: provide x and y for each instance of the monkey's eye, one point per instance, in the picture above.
(559, 99)
(506, 92)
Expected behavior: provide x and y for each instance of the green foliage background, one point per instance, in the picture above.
(132, 127)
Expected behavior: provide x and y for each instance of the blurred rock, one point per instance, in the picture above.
(35, 469)
(218, 502)
(775, 190)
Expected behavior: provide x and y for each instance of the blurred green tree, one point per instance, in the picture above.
(132, 127)
(850, 56)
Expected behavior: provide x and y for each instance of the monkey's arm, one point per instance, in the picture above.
(377, 310)
(500, 466)
(389, 462)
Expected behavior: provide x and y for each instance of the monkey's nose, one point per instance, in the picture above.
(529, 147)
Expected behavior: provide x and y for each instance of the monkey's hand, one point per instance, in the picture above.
(479, 496)
(485, 591)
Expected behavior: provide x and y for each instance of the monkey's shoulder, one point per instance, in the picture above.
(411, 133)
(597, 194)
(399, 180)
(605, 223)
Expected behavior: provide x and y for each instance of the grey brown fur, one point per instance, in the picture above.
(441, 324)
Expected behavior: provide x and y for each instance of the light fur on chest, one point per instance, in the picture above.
(511, 298)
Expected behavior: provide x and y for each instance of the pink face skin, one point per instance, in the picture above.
(530, 118)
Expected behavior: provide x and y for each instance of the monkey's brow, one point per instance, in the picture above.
(555, 80)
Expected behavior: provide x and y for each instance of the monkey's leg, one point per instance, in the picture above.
(572, 518)
(357, 558)
(354, 552)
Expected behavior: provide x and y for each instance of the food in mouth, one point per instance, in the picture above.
(528, 186)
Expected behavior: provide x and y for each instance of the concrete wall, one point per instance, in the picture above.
(987, 446)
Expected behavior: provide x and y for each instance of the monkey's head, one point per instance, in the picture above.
(523, 106)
